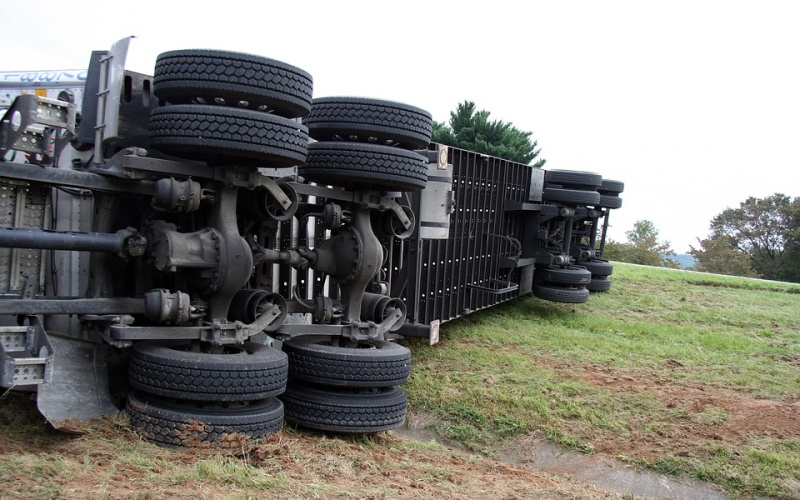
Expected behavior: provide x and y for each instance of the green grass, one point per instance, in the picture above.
(522, 368)
(599, 377)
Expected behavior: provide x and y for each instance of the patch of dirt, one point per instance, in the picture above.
(706, 414)
(106, 459)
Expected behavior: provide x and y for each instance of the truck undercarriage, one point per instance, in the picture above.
(215, 251)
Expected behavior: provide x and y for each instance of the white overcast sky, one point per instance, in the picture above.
(695, 105)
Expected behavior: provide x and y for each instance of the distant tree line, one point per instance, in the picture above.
(643, 247)
(760, 239)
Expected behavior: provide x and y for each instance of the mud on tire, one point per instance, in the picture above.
(185, 423)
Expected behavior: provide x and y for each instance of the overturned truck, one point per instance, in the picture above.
(214, 251)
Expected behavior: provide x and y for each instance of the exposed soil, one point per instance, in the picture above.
(38, 462)
(712, 414)
(387, 465)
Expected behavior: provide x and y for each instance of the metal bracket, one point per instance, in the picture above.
(506, 286)
(361, 330)
(218, 333)
(29, 124)
(370, 200)
(133, 163)
(26, 355)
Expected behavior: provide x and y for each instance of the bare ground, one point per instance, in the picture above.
(713, 414)
(37, 462)
(106, 460)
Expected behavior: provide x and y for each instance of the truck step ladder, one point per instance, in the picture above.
(26, 356)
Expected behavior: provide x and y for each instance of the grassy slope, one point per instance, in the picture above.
(648, 363)
(655, 371)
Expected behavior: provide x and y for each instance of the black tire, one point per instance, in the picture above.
(365, 166)
(375, 363)
(232, 79)
(369, 120)
(573, 178)
(563, 276)
(609, 186)
(190, 424)
(341, 410)
(554, 293)
(609, 201)
(599, 284)
(597, 267)
(574, 197)
(197, 132)
(246, 372)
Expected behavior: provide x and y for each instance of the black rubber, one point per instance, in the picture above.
(563, 276)
(375, 363)
(245, 372)
(597, 267)
(599, 284)
(365, 166)
(554, 293)
(609, 201)
(573, 178)
(232, 79)
(185, 423)
(574, 197)
(197, 132)
(369, 120)
(342, 410)
(609, 186)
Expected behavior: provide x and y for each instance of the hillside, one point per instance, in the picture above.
(687, 374)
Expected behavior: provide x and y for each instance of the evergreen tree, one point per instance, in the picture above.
(473, 130)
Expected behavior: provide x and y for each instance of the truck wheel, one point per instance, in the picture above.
(569, 294)
(599, 284)
(571, 196)
(609, 186)
(342, 410)
(195, 132)
(374, 363)
(369, 120)
(232, 79)
(610, 201)
(186, 423)
(573, 179)
(243, 372)
(365, 166)
(563, 276)
(597, 267)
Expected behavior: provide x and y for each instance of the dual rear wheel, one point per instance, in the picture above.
(346, 388)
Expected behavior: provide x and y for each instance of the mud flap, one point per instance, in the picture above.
(78, 387)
